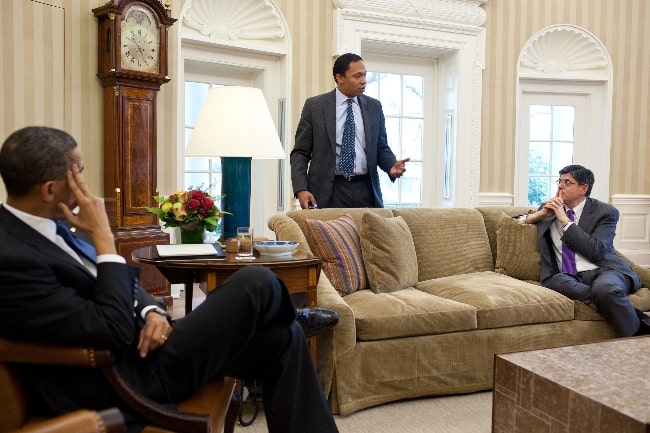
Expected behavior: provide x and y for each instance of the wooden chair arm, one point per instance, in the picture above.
(156, 413)
(80, 421)
(46, 353)
(204, 412)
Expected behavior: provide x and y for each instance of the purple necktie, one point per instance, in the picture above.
(568, 255)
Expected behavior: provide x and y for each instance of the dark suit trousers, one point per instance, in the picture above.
(352, 194)
(246, 328)
(607, 289)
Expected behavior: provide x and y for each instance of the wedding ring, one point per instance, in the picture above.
(164, 337)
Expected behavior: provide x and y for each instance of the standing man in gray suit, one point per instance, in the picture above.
(340, 142)
(575, 234)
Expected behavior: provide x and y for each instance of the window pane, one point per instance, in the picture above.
(413, 105)
(389, 190)
(195, 180)
(195, 164)
(562, 156)
(540, 122)
(538, 159)
(411, 185)
(195, 94)
(563, 122)
(199, 172)
(411, 139)
(393, 134)
(390, 93)
(539, 190)
(403, 106)
(372, 85)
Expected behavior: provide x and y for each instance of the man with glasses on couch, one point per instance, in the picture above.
(575, 234)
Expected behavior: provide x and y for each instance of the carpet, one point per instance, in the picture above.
(468, 413)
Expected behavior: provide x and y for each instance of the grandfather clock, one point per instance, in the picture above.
(133, 45)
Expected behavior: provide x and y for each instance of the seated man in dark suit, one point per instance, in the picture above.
(575, 234)
(51, 290)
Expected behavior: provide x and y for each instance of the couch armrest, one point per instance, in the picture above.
(341, 339)
(641, 271)
(286, 229)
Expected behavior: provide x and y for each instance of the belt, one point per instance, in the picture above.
(352, 177)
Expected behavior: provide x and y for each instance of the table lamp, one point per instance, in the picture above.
(236, 125)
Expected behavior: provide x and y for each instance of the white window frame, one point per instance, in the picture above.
(432, 121)
(449, 31)
(261, 59)
(548, 66)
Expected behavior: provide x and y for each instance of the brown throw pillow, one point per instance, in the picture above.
(388, 253)
(517, 252)
(336, 243)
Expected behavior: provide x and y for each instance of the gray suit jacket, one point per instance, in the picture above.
(313, 158)
(592, 237)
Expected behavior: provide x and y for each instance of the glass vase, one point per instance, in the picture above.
(192, 235)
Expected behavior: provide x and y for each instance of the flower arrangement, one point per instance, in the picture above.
(192, 208)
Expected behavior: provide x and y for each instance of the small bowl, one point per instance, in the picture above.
(275, 248)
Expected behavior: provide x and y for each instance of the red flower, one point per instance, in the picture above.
(193, 204)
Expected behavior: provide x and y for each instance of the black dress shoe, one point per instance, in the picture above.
(644, 319)
(316, 320)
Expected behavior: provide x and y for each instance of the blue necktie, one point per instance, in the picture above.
(568, 255)
(82, 248)
(346, 159)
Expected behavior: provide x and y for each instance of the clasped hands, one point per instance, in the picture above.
(554, 206)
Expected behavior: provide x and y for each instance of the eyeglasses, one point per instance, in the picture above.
(566, 182)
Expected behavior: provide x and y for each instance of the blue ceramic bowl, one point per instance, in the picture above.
(275, 248)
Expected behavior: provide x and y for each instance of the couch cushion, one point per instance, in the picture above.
(448, 241)
(301, 216)
(406, 313)
(501, 300)
(336, 243)
(388, 253)
(491, 215)
(518, 254)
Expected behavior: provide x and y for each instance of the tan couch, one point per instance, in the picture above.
(471, 299)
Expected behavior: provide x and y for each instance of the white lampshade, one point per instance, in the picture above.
(235, 122)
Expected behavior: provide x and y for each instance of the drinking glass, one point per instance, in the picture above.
(245, 242)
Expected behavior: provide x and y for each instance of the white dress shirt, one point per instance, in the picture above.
(360, 163)
(557, 231)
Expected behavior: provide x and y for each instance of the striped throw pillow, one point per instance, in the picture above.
(336, 242)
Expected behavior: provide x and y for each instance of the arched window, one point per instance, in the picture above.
(243, 43)
(564, 101)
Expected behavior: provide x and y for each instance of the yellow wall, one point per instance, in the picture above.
(30, 89)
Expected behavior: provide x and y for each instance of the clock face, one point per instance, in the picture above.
(140, 40)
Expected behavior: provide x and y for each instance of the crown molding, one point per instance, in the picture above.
(464, 12)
